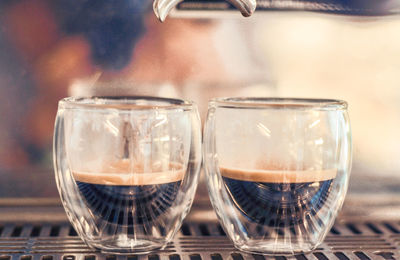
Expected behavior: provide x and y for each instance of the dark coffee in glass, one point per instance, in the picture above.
(278, 198)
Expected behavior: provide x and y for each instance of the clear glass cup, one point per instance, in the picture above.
(277, 170)
(127, 169)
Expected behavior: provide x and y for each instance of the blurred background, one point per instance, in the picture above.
(53, 49)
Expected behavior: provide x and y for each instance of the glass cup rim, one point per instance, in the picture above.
(126, 103)
(279, 103)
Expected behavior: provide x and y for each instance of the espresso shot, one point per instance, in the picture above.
(278, 198)
(129, 198)
(277, 170)
(127, 169)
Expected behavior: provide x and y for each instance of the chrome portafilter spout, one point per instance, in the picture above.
(340, 7)
(163, 7)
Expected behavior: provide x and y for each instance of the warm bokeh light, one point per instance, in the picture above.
(46, 54)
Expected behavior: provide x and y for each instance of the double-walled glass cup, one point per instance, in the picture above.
(127, 169)
(277, 170)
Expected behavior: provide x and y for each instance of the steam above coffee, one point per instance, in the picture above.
(278, 198)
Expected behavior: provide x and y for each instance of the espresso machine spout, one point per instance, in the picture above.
(163, 7)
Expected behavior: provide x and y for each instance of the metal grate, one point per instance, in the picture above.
(196, 241)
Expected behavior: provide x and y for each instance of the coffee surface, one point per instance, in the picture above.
(123, 173)
(278, 176)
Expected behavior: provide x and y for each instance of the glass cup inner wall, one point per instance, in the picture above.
(127, 169)
(277, 170)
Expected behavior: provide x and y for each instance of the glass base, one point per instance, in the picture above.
(272, 248)
(128, 246)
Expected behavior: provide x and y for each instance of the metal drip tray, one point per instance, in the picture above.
(37, 229)
(196, 241)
